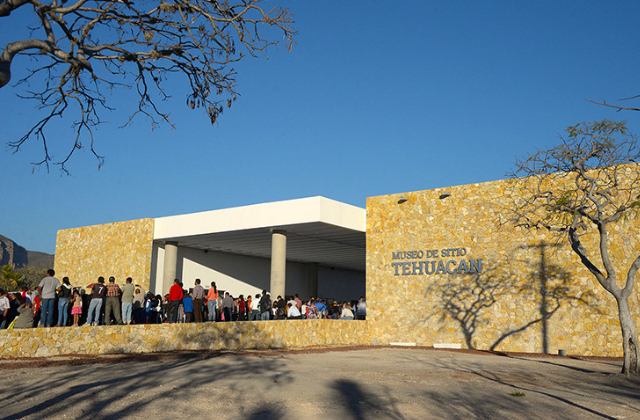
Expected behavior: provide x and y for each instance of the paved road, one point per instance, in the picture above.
(377, 383)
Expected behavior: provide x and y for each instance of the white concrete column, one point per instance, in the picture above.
(278, 263)
(170, 265)
(312, 280)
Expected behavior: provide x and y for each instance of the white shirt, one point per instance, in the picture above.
(347, 312)
(293, 311)
(4, 304)
(255, 304)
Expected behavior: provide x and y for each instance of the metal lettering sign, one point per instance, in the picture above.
(434, 261)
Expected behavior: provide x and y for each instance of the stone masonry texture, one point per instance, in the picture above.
(525, 274)
(44, 342)
(120, 249)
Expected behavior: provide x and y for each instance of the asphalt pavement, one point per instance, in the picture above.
(369, 383)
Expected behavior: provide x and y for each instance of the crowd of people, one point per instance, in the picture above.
(55, 303)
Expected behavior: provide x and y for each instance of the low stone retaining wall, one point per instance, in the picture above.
(42, 342)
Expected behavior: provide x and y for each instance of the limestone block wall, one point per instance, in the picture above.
(120, 249)
(44, 342)
(532, 293)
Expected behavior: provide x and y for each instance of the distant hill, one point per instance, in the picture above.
(18, 257)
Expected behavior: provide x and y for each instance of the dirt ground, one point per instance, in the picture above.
(358, 383)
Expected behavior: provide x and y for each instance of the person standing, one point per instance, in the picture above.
(4, 309)
(255, 309)
(64, 294)
(138, 305)
(98, 291)
(36, 302)
(175, 296)
(112, 303)
(281, 308)
(187, 304)
(227, 306)
(361, 309)
(49, 285)
(265, 306)
(76, 310)
(198, 295)
(127, 300)
(212, 301)
(242, 308)
(248, 303)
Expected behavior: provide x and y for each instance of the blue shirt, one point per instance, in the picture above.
(187, 302)
(321, 307)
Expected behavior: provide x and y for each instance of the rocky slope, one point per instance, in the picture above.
(17, 256)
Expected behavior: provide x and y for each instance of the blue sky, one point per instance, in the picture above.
(376, 98)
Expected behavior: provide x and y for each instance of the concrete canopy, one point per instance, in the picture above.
(319, 230)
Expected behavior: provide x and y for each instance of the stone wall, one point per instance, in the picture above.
(532, 293)
(43, 342)
(120, 249)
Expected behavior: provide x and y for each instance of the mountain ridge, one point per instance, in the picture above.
(18, 256)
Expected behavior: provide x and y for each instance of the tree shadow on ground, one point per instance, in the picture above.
(267, 411)
(362, 404)
(529, 381)
(103, 390)
(466, 299)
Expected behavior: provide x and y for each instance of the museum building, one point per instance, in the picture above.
(439, 267)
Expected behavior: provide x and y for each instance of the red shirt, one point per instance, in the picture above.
(175, 293)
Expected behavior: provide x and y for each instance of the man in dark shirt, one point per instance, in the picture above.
(334, 310)
(98, 292)
(281, 307)
(265, 306)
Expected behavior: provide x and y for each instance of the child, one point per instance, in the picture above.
(76, 309)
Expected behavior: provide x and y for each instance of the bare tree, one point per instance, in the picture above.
(82, 49)
(581, 188)
(618, 107)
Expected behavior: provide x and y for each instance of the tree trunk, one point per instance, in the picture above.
(630, 344)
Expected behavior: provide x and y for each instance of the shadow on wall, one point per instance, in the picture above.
(229, 336)
(220, 336)
(466, 299)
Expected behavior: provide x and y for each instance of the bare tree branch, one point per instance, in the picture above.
(581, 187)
(618, 107)
(91, 45)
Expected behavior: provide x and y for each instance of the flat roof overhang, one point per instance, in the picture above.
(319, 230)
